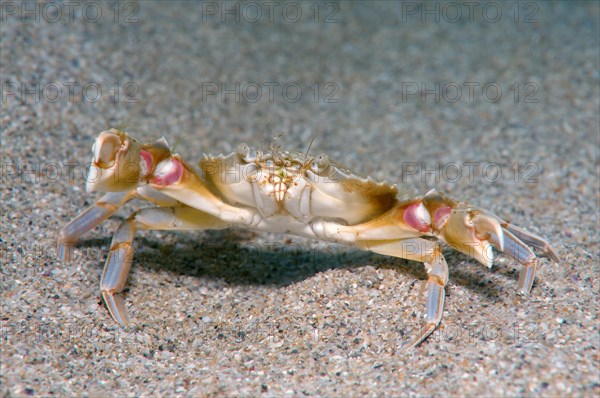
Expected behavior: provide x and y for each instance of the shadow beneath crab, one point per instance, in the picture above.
(469, 274)
(242, 257)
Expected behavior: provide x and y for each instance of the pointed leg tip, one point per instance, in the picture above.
(65, 251)
(526, 279)
(423, 333)
(406, 348)
(116, 307)
(553, 256)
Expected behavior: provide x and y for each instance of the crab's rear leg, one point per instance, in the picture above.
(118, 263)
(87, 220)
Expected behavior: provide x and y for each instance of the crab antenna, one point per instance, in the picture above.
(312, 139)
(261, 137)
(275, 146)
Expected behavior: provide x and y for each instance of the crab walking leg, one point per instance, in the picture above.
(100, 211)
(516, 242)
(437, 278)
(437, 275)
(118, 263)
(87, 220)
(515, 248)
(534, 241)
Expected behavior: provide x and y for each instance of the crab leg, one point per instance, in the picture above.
(118, 263)
(437, 279)
(173, 178)
(87, 220)
(100, 211)
(437, 276)
(533, 240)
(516, 249)
(369, 236)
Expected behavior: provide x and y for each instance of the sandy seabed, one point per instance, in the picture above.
(497, 105)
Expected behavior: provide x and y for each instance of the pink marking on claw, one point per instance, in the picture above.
(167, 172)
(417, 216)
(440, 216)
(145, 163)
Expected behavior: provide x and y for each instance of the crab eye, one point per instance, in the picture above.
(243, 150)
(322, 160)
(246, 153)
(321, 164)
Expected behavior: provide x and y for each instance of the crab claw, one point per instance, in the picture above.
(474, 232)
(463, 228)
(468, 232)
(116, 163)
(515, 242)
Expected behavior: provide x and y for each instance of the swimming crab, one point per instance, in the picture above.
(280, 191)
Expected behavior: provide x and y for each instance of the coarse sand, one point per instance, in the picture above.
(496, 103)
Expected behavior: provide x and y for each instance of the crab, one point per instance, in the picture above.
(286, 192)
